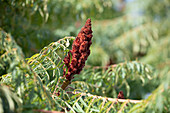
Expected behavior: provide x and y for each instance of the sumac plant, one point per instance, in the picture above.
(31, 85)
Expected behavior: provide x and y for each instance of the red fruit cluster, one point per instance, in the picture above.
(121, 95)
(75, 60)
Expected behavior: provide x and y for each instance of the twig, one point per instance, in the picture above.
(106, 98)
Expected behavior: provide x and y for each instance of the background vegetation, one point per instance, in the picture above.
(130, 52)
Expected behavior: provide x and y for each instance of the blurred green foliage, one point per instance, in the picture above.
(33, 23)
(123, 31)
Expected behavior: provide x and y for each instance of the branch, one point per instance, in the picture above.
(106, 98)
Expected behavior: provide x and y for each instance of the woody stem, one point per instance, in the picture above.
(65, 84)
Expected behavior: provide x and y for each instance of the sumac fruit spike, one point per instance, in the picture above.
(80, 51)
